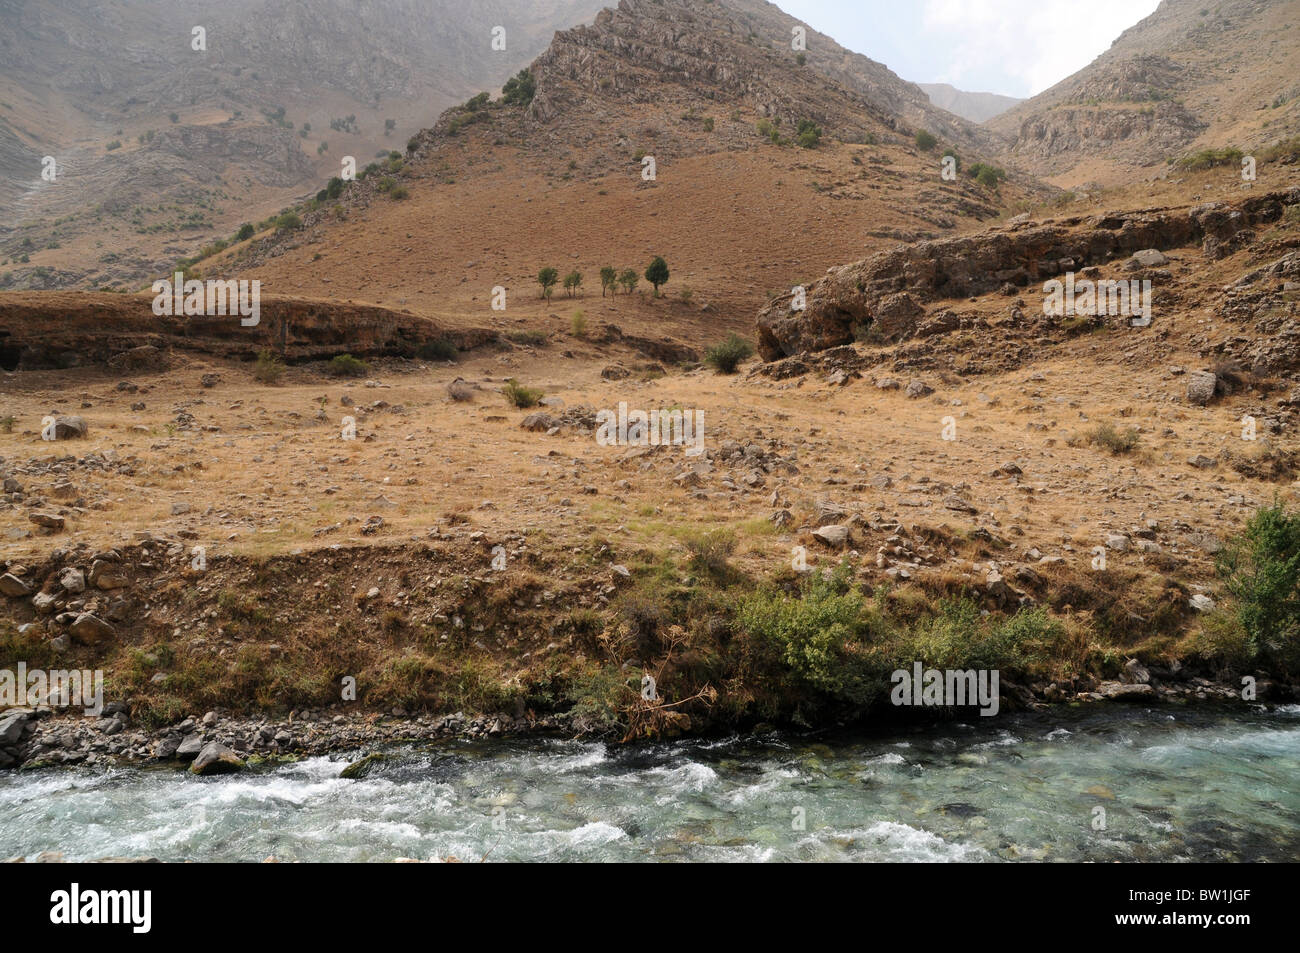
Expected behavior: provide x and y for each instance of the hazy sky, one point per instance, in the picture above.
(1013, 47)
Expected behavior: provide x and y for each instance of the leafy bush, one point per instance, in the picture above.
(1261, 570)
(398, 192)
(1107, 435)
(628, 278)
(443, 349)
(521, 396)
(572, 282)
(345, 365)
(709, 551)
(288, 222)
(925, 141)
(520, 89)
(608, 278)
(578, 324)
(1208, 159)
(726, 356)
(989, 176)
(810, 134)
(246, 231)
(268, 368)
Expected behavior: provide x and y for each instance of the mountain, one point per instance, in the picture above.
(714, 96)
(1190, 76)
(160, 147)
(977, 107)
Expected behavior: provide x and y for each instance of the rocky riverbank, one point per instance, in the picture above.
(219, 743)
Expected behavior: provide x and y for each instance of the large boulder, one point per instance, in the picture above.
(1200, 387)
(216, 758)
(89, 629)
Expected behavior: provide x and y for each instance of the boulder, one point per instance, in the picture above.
(14, 587)
(67, 428)
(216, 758)
(89, 629)
(72, 579)
(107, 575)
(1200, 387)
(834, 535)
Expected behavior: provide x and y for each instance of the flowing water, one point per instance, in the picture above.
(1174, 784)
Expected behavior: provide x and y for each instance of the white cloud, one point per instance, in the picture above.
(1021, 46)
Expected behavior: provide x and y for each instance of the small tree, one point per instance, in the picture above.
(519, 90)
(657, 274)
(628, 279)
(608, 276)
(925, 141)
(547, 278)
(572, 282)
(810, 134)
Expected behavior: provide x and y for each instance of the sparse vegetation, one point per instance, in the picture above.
(1109, 437)
(726, 356)
(345, 365)
(578, 324)
(1208, 159)
(520, 89)
(520, 396)
(925, 141)
(268, 369)
(1260, 569)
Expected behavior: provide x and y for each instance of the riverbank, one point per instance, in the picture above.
(45, 737)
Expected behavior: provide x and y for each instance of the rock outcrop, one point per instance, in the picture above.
(886, 290)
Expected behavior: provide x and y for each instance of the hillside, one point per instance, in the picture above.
(1189, 77)
(496, 191)
(161, 148)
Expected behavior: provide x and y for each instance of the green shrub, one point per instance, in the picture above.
(608, 278)
(810, 134)
(246, 231)
(521, 396)
(443, 349)
(1208, 159)
(288, 222)
(398, 192)
(1107, 435)
(1261, 570)
(528, 338)
(628, 278)
(519, 89)
(925, 141)
(578, 324)
(345, 365)
(572, 282)
(726, 356)
(268, 369)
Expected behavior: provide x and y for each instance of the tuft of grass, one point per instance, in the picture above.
(443, 349)
(1110, 437)
(520, 396)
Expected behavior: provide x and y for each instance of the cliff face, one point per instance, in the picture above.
(887, 289)
(76, 329)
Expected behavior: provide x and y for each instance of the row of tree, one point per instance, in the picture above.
(610, 278)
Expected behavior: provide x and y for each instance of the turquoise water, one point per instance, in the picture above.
(1175, 784)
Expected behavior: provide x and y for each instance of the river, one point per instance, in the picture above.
(1101, 783)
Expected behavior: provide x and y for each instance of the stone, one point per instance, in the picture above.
(918, 389)
(539, 422)
(1150, 258)
(89, 629)
(957, 504)
(66, 428)
(107, 575)
(834, 535)
(14, 587)
(189, 747)
(1200, 387)
(1118, 542)
(1201, 461)
(47, 520)
(72, 579)
(1201, 602)
(216, 758)
(1121, 691)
